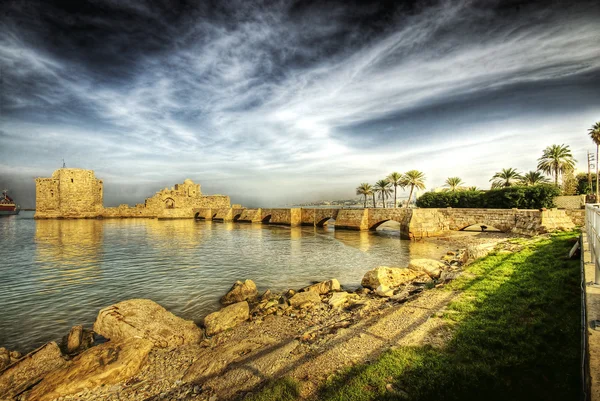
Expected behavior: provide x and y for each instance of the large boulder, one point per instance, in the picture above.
(245, 291)
(145, 319)
(389, 277)
(324, 287)
(433, 268)
(103, 365)
(30, 369)
(305, 299)
(226, 318)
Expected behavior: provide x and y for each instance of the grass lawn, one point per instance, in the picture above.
(515, 336)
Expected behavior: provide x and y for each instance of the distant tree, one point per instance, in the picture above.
(413, 179)
(383, 187)
(595, 135)
(365, 190)
(556, 160)
(569, 183)
(453, 183)
(533, 178)
(583, 184)
(505, 178)
(473, 188)
(396, 180)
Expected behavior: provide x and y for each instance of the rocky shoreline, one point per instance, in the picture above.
(137, 350)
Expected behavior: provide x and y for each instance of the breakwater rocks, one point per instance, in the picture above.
(140, 351)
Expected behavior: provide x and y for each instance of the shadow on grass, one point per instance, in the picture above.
(516, 337)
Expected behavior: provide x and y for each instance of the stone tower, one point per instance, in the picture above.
(69, 193)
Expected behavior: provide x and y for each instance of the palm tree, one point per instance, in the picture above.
(396, 180)
(473, 189)
(383, 187)
(413, 179)
(556, 159)
(595, 135)
(505, 178)
(533, 178)
(365, 190)
(453, 183)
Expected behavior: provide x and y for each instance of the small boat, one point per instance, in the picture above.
(7, 205)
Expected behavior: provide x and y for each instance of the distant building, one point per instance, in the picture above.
(77, 193)
(69, 193)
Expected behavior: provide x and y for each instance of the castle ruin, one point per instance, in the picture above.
(69, 193)
(77, 193)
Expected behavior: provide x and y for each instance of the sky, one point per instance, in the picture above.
(285, 102)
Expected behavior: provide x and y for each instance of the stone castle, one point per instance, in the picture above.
(77, 193)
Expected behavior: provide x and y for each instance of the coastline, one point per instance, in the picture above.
(275, 322)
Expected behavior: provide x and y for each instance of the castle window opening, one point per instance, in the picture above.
(71, 180)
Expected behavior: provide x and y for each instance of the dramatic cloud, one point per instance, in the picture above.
(288, 102)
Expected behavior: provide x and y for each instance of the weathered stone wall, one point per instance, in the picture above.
(577, 216)
(433, 222)
(125, 211)
(458, 219)
(203, 213)
(251, 215)
(419, 223)
(317, 217)
(555, 220)
(380, 216)
(70, 193)
(570, 202)
(353, 219)
(290, 217)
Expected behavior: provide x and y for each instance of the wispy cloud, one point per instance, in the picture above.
(260, 100)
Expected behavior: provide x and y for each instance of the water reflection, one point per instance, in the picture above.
(68, 251)
(360, 240)
(167, 234)
(184, 265)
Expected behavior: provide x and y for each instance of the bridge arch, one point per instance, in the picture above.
(324, 220)
(266, 219)
(197, 216)
(377, 224)
(237, 217)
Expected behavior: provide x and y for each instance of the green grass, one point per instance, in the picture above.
(515, 336)
(284, 389)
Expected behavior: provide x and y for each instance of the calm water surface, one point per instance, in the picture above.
(58, 273)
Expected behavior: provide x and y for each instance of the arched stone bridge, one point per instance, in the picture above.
(414, 223)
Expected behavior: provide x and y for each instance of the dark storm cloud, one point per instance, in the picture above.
(281, 101)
